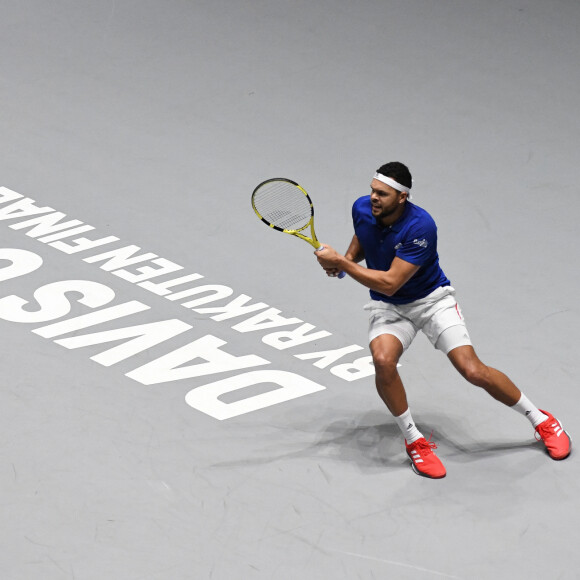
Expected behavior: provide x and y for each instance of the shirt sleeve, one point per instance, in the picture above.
(358, 211)
(419, 243)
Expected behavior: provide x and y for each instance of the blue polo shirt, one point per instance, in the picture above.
(413, 238)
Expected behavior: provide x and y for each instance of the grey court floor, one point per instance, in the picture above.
(184, 394)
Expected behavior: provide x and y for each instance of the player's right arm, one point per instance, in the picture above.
(355, 252)
(385, 282)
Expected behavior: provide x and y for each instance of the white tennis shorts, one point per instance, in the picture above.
(438, 315)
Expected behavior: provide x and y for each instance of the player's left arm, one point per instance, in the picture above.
(387, 283)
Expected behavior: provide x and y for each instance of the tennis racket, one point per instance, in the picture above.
(285, 206)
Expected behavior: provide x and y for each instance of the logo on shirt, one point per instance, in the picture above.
(399, 245)
(423, 243)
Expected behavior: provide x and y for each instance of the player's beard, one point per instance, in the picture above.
(385, 212)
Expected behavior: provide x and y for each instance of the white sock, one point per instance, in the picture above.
(408, 427)
(527, 409)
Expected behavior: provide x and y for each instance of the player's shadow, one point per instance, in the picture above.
(375, 441)
(465, 448)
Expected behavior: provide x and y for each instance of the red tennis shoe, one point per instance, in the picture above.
(423, 460)
(556, 440)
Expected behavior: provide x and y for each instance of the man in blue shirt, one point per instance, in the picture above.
(409, 292)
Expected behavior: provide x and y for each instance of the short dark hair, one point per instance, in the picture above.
(397, 171)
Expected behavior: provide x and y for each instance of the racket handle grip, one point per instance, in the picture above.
(340, 274)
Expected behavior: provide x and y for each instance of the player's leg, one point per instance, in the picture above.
(498, 385)
(443, 323)
(501, 388)
(386, 350)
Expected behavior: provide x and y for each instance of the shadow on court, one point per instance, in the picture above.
(373, 443)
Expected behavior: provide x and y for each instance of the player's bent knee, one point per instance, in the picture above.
(476, 374)
(385, 363)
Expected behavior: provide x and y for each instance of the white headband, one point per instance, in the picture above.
(394, 184)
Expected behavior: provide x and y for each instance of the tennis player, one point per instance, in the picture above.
(409, 292)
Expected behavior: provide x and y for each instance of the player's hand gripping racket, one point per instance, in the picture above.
(283, 205)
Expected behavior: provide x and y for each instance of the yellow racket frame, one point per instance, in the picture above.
(312, 240)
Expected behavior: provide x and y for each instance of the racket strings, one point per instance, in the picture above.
(283, 205)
